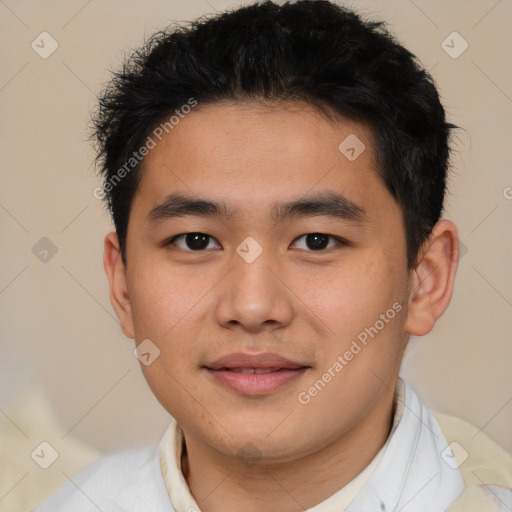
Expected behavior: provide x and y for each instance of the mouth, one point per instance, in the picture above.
(259, 371)
(255, 375)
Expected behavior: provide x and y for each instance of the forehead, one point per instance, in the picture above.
(249, 154)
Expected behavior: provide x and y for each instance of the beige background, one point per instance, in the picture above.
(67, 373)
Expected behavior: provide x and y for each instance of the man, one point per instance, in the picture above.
(276, 177)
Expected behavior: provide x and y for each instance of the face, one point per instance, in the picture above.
(280, 317)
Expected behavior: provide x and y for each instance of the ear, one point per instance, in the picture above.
(116, 273)
(431, 284)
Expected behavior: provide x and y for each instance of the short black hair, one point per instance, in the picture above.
(309, 51)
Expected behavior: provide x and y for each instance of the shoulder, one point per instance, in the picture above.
(485, 466)
(476, 452)
(128, 481)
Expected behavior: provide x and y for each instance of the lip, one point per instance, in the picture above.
(236, 372)
(263, 360)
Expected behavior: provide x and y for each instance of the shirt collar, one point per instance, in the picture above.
(407, 474)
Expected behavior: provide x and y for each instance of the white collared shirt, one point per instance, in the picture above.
(409, 474)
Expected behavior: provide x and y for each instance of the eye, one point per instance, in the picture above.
(319, 241)
(197, 242)
(192, 241)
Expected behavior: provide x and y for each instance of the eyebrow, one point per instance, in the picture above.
(327, 204)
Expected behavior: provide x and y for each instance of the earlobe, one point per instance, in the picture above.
(116, 274)
(432, 280)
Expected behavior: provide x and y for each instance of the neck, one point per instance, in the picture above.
(222, 483)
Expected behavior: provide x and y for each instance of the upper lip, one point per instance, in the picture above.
(264, 360)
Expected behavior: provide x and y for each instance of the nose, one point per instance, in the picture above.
(254, 296)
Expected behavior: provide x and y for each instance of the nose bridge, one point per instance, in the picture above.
(251, 269)
(252, 279)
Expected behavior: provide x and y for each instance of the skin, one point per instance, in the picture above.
(303, 304)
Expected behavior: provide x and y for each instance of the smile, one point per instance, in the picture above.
(256, 381)
(259, 371)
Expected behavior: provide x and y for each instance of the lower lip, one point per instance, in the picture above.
(256, 383)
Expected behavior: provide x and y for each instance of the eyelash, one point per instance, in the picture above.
(340, 241)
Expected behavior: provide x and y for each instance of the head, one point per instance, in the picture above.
(305, 153)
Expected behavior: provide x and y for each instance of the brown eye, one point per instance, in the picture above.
(318, 241)
(192, 241)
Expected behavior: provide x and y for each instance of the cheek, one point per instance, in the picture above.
(352, 294)
(365, 303)
(163, 300)
(168, 308)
